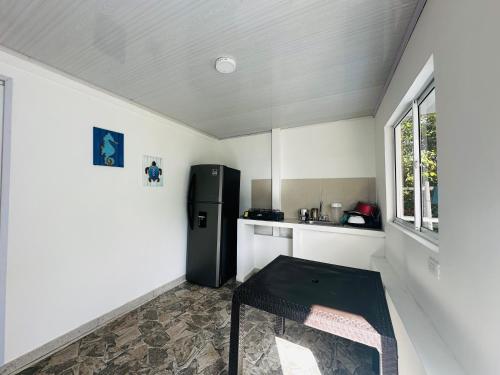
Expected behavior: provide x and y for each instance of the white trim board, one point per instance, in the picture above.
(434, 354)
(60, 342)
(5, 128)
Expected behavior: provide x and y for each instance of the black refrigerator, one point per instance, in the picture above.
(212, 210)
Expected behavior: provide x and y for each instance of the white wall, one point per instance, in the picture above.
(463, 38)
(83, 239)
(332, 150)
(252, 156)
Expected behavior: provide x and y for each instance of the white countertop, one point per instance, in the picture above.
(294, 224)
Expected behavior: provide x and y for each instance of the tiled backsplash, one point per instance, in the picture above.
(261, 194)
(307, 193)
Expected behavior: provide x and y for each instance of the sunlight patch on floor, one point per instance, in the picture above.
(296, 359)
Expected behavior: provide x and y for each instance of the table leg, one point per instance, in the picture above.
(236, 339)
(375, 361)
(279, 325)
(389, 359)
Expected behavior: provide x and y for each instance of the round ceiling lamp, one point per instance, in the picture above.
(225, 65)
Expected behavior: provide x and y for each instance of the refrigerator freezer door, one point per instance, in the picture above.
(205, 183)
(203, 252)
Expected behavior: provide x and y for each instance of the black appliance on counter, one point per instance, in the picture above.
(213, 209)
(364, 215)
(264, 214)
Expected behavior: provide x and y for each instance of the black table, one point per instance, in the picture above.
(343, 301)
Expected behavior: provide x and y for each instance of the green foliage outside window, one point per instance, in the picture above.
(428, 159)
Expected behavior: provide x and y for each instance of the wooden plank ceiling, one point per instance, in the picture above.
(298, 61)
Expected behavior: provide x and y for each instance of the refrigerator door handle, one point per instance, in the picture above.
(190, 204)
(192, 187)
(190, 210)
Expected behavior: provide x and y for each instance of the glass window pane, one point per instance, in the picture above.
(405, 182)
(428, 163)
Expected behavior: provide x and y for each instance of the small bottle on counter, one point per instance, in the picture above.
(336, 212)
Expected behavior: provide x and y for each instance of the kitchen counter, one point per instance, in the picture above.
(336, 244)
(324, 227)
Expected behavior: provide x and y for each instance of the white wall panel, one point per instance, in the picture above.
(461, 304)
(339, 149)
(252, 156)
(83, 239)
(332, 150)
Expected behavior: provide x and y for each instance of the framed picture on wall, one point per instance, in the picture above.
(108, 148)
(152, 171)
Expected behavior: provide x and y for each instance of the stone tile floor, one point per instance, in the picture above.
(186, 331)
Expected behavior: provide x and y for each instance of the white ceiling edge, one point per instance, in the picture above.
(419, 8)
(322, 123)
(87, 85)
(260, 132)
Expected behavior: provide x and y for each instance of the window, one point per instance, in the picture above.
(405, 176)
(416, 165)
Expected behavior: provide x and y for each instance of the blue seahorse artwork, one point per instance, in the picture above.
(108, 148)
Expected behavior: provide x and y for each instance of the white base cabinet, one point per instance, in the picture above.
(344, 246)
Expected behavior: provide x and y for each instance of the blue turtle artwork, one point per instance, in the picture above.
(152, 171)
(108, 148)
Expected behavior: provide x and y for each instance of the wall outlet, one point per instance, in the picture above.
(434, 267)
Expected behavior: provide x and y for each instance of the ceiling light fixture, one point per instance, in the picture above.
(225, 65)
